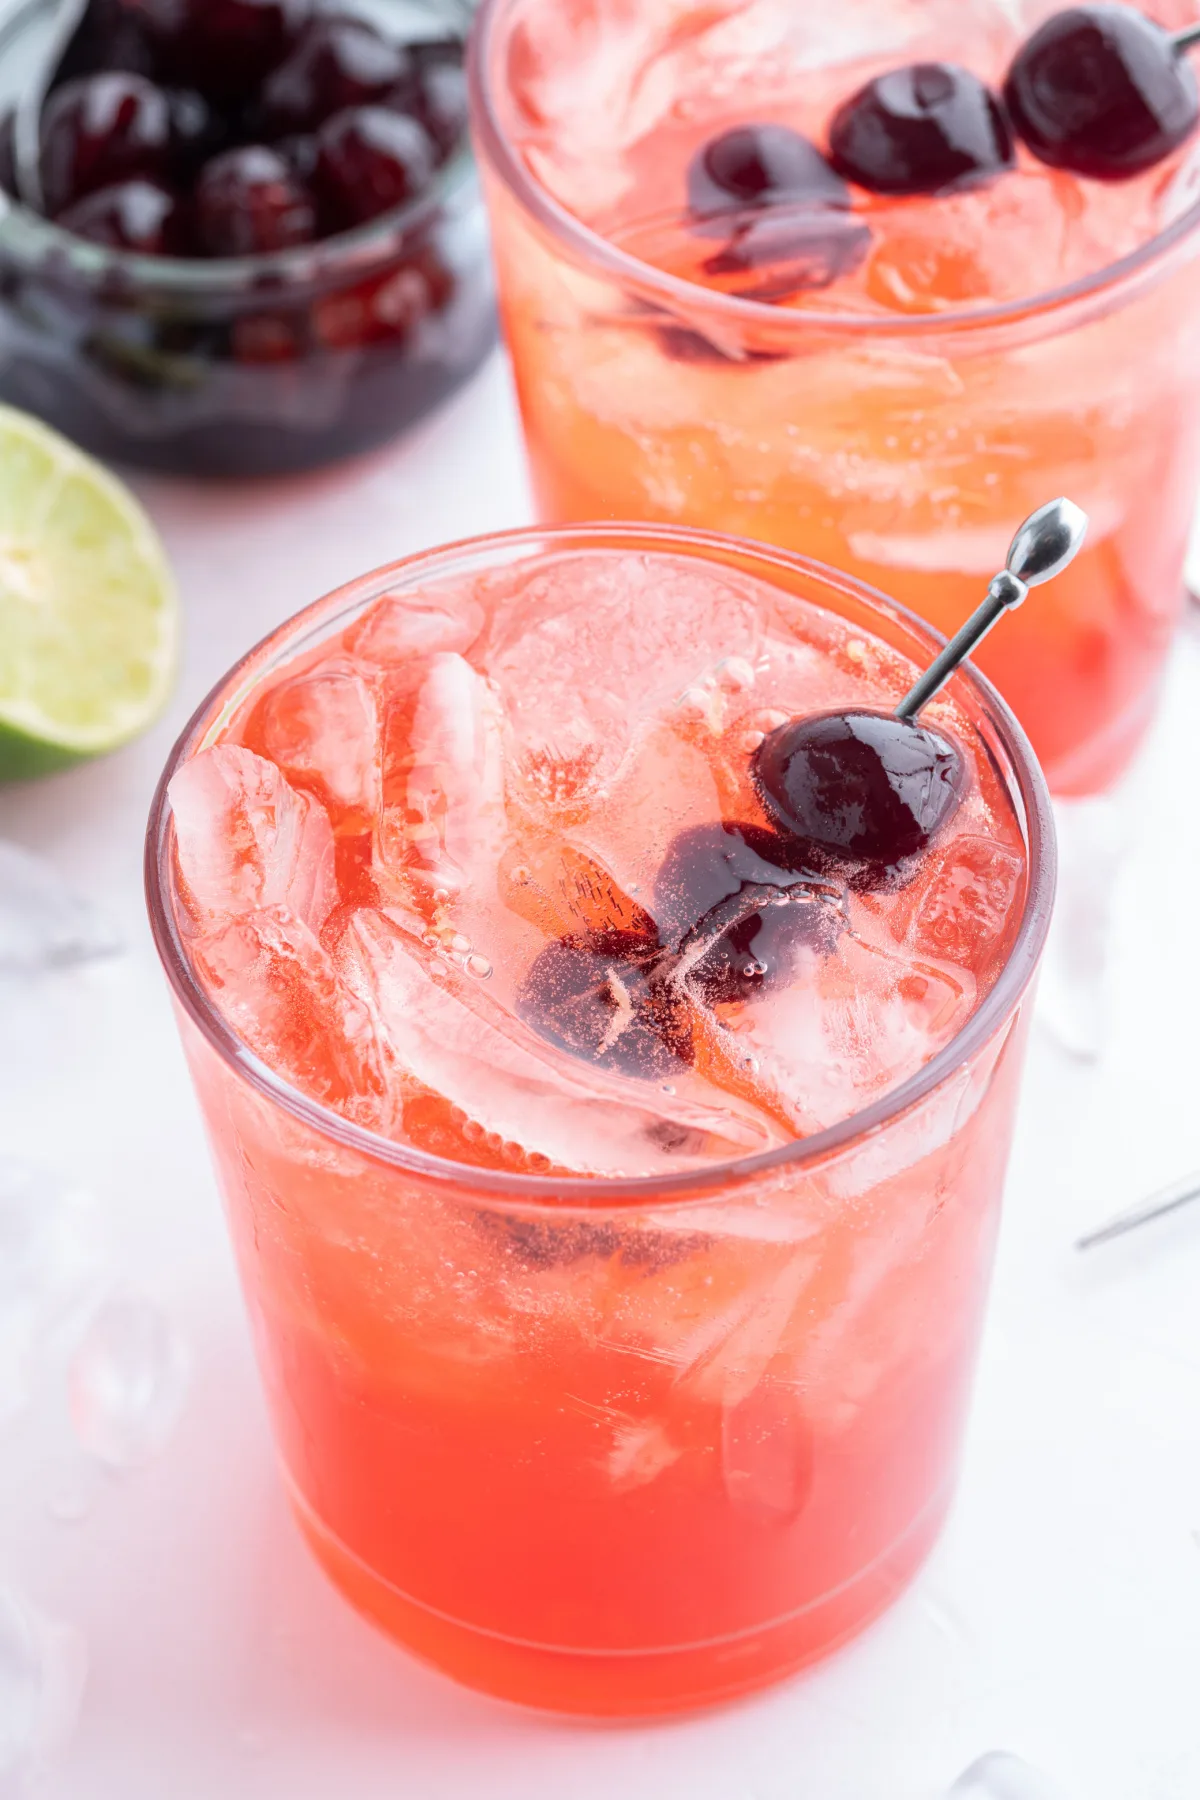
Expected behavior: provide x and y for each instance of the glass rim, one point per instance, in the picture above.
(594, 249)
(40, 244)
(536, 1192)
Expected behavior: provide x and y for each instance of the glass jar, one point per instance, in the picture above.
(256, 365)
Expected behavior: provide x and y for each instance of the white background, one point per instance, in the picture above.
(1060, 1617)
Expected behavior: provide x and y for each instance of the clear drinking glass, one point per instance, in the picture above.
(897, 446)
(619, 1446)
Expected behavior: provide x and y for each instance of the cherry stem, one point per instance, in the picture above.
(1185, 39)
(1047, 542)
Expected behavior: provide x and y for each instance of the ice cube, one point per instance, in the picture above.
(49, 1258)
(450, 1035)
(1000, 1776)
(127, 1382)
(43, 1671)
(44, 923)
(954, 251)
(767, 1452)
(245, 839)
(962, 907)
(402, 629)
(856, 1020)
(322, 730)
(451, 826)
(279, 989)
(589, 651)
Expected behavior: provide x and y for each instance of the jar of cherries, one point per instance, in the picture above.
(255, 240)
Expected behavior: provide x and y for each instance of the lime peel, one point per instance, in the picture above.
(89, 617)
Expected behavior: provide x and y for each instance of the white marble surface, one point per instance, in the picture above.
(1060, 1617)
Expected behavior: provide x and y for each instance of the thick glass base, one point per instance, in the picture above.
(616, 1685)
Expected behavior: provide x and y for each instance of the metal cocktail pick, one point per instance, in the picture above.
(1167, 1200)
(1184, 40)
(1049, 539)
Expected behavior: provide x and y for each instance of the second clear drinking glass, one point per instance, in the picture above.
(897, 440)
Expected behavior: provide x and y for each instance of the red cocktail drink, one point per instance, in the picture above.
(882, 381)
(614, 1197)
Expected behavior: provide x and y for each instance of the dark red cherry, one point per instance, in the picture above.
(133, 215)
(249, 201)
(388, 308)
(99, 130)
(730, 893)
(791, 250)
(301, 153)
(337, 63)
(761, 165)
(596, 995)
(921, 130)
(109, 37)
(225, 47)
(859, 795)
(370, 159)
(198, 131)
(1102, 91)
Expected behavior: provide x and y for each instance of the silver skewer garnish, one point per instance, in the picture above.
(1167, 1200)
(1184, 40)
(1048, 540)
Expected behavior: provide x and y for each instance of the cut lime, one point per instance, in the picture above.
(89, 620)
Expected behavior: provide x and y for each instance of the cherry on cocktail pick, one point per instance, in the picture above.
(860, 796)
(926, 129)
(1103, 91)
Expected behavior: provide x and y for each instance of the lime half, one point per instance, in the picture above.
(89, 620)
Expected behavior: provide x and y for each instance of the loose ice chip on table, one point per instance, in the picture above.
(1000, 1776)
(245, 839)
(323, 732)
(127, 1382)
(44, 923)
(451, 1035)
(450, 823)
(280, 991)
(43, 1671)
(49, 1259)
(856, 1020)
